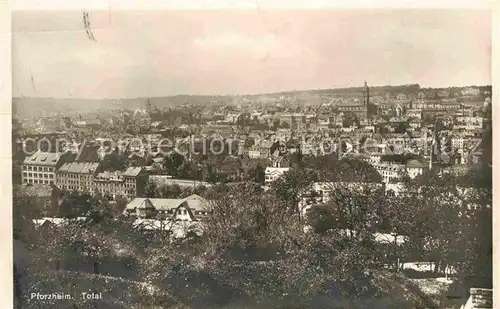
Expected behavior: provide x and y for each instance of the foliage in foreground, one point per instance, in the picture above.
(254, 248)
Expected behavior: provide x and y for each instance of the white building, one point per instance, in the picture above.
(375, 158)
(416, 123)
(471, 91)
(458, 143)
(191, 208)
(40, 168)
(273, 173)
(469, 123)
(391, 172)
(323, 190)
(254, 152)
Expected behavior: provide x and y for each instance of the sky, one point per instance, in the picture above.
(162, 53)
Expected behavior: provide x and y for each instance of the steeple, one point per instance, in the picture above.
(366, 94)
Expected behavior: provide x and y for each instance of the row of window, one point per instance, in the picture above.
(73, 176)
(38, 168)
(38, 181)
(79, 188)
(75, 183)
(354, 108)
(103, 191)
(182, 212)
(38, 175)
(88, 182)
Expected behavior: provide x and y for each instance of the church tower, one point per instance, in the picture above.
(366, 95)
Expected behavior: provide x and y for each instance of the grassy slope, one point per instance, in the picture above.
(117, 293)
(396, 292)
(440, 292)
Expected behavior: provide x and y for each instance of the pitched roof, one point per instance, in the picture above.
(197, 202)
(414, 164)
(194, 202)
(132, 172)
(79, 167)
(43, 158)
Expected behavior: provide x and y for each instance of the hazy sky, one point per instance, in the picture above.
(238, 52)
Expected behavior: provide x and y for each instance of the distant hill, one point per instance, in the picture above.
(36, 107)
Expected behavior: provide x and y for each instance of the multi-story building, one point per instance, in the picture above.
(40, 167)
(374, 158)
(359, 109)
(471, 91)
(416, 123)
(87, 177)
(390, 172)
(457, 143)
(129, 183)
(414, 113)
(295, 121)
(469, 123)
(254, 152)
(77, 176)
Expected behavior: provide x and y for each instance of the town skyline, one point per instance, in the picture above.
(290, 91)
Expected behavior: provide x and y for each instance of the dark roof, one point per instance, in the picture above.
(414, 164)
(40, 190)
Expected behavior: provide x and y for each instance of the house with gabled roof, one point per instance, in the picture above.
(414, 168)
(191, 208)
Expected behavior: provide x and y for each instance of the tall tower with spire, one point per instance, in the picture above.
(366, 95)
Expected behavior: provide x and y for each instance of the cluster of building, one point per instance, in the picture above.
(270, 130)
(47, 168)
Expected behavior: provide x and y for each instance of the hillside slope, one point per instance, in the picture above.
(395, 292)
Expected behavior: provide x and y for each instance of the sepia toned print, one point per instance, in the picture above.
(252, 159)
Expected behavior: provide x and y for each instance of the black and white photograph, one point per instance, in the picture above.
(252, 158)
